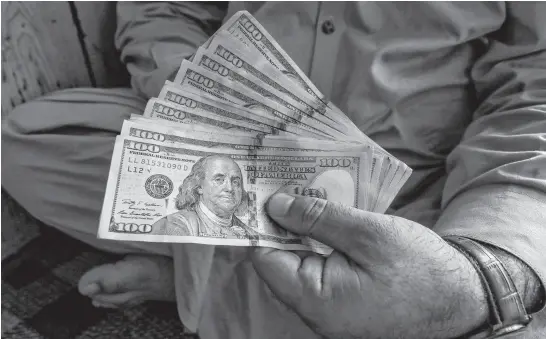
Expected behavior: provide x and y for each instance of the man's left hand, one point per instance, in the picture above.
(387, 277)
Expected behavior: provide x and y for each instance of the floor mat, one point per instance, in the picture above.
(40, 298)
(18, 226)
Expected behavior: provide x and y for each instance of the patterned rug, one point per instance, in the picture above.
(40, 298)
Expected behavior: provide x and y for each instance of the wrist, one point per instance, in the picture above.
(459, 299)
(507, 314)
(472, 312)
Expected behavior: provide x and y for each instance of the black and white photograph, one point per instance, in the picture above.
(273, 169)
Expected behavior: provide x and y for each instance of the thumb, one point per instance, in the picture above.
(345, 229)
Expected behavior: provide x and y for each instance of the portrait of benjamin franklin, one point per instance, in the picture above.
(208, 201)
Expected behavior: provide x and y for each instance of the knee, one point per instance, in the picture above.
(56, 152)
(29, 117)
(77, 108)
(18, 149)
(13, 132)
(19, 131)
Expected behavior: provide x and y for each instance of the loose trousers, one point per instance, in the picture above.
(56, 154)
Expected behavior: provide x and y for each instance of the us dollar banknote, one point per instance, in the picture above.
(176, 93)
(176, 136)
(245, 28)
(240, 123)
(234, 71)
(203, 116)
(160, 192)
(233, 50)
(146, 129)
(208, 105)
(197, 79)
(186, 126)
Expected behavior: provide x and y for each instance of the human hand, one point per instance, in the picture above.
(387, 277)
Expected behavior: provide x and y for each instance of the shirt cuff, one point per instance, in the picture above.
(512, 218)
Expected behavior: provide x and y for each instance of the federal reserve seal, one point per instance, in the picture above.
(159, 186)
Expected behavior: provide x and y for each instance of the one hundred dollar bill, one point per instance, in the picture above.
(230, 48)
(385, 172)
(220, 141)
(176, 93)
(157, 192)
(208, 104)
(245, 28)
(201, 80)
(234, 71)
(185, 126)
(202, 116)
(391, 183)
(147, 130)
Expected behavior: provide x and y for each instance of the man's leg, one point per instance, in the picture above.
(56, 152)
(56, 158)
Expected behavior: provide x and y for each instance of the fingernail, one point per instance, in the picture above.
(279, 204)
(90, 289)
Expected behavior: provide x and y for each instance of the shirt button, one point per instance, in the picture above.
(328, 26)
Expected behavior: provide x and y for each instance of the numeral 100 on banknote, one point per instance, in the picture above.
(333, 162)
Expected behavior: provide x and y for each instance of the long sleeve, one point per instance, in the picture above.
(154, 38)
(496, 186)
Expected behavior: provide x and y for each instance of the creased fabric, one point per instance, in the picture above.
(454, 89)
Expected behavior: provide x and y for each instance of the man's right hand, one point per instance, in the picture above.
(388, 277)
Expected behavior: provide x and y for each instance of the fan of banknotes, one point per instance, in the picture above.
(239, 123)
